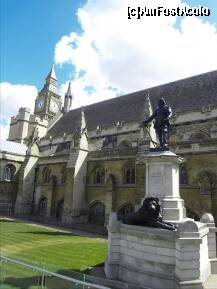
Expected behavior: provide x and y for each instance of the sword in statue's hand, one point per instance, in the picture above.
(146, 126)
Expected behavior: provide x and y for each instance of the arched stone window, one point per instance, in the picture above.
(183, 176)
(9, 172)
(59, 209)
(124, 210)
(125, 144)
(99, 176)
(46, 175)
(42, 206)
(129, 175)
(96, 213)
(54, 181)
(207, 180)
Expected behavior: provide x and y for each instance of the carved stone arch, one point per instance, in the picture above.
(129, 173)
(97, 174)
(59, 209)
(54, 181)
(96, 212)
(124, 210)
(99, 177)
(124, 144)
(46, 174)
(207, 180)
(42, 206)
(183, 175)
(9, 172)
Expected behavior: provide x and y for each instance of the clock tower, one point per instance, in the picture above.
(48, 102)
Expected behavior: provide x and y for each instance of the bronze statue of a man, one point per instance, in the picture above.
(162, 114)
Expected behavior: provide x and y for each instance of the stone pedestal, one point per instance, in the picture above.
(157, 258)
(162, 181)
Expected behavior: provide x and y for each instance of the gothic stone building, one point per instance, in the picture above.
(82, 163)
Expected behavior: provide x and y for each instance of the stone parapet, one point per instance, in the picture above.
(159, 258)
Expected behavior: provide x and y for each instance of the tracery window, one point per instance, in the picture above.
(54, 181)
(125, 144)
(9, 172)
(183, 176)
(42, 206)
(129, 175)
(100, 176)
(207, 180)
(96, 213)
(46, 175)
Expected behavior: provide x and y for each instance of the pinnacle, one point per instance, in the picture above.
(69, 91)
(52, 73)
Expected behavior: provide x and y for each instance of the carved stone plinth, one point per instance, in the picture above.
(157, 258)
(162, 181)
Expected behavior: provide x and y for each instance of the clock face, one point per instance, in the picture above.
(40, 104)
(53, 106)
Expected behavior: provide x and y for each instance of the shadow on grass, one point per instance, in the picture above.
(56, 233)
(7, 221)
(24, 283)
(50, 281)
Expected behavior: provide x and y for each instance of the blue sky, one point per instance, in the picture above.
(31, 28)
(29, 31)
(110, 55)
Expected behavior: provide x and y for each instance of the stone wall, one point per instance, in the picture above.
(8, 189)
(113, 195)
(159, 258)
(8, 192)
(200, 194)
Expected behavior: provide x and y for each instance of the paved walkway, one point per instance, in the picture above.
(211, 282)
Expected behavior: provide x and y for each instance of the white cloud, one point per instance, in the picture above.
(14, 96)
(134, 54)
(4, 130)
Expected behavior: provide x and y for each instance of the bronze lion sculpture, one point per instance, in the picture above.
(149, 214)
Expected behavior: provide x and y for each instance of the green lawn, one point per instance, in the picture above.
(45, 247)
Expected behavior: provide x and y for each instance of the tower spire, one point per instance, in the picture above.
(69, 90)
(52, 73)
(68, 99)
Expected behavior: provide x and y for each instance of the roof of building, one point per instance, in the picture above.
(182, 95)
(12, 147)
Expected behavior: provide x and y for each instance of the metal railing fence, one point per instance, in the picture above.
(15, 274)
